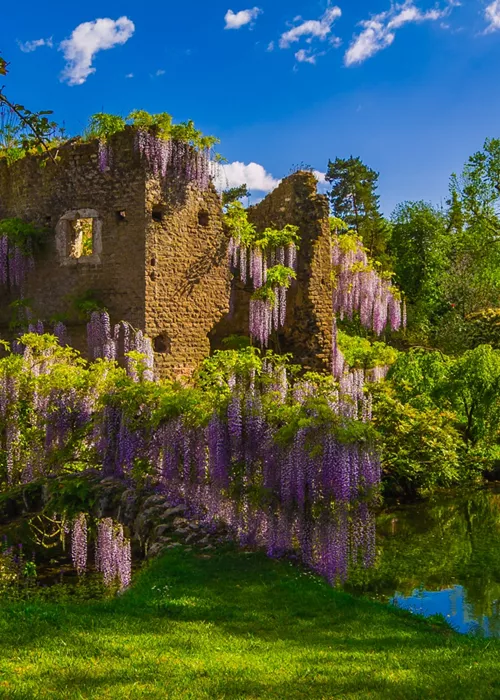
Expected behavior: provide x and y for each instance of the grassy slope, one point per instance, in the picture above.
(236, 625)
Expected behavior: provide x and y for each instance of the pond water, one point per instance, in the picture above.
(441, 557)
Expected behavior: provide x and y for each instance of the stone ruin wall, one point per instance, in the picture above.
(161, 260)
(44, 194)
(307, 334)
(188, 277)
(169, 278)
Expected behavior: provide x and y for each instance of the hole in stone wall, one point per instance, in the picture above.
(203, 218)
(157, 214)
(121, 215)
(153, 262)
(48, 220)
(81, 243)
(162, 343)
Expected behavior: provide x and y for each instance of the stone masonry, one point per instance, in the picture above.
(159, 254)
(307, 334)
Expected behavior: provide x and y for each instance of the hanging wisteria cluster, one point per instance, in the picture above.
(175, 158)
(359, 288)
(15, 263)
(305, 494)
(268, 262)
(79, 543)
(112, 551)
(104, 155)
(114, 344)
(313, 500)
(113, 557)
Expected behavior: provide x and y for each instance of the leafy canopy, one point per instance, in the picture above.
(246, 234)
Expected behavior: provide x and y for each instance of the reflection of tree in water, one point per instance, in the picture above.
(439, 544)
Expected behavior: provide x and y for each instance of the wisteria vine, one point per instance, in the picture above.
(16, 252)
(267, 261)
(270, 457)
(359, 288)
(111, 344)
(112, 551)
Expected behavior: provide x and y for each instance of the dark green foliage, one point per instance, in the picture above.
(233, 194)
(483, 328)
(420, 246)
(25, 236)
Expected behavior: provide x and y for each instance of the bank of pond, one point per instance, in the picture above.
(437, 557)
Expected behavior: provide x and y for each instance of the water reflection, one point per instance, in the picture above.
(441, 557)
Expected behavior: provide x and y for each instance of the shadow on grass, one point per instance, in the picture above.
(239, 625)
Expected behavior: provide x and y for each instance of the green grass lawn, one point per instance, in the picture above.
(236, 625)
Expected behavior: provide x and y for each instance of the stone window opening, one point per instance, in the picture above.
(158, 213)
(81, 243)
(203, 218)
(79, 237)
(162, 344)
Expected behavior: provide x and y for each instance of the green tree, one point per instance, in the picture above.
(473, 282)
(473, 387)
(420, 245)
(354, 199)
(234, 193)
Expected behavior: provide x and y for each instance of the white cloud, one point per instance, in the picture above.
(320, 177)
(492, 14)
(235, 20)
(29, 46)
(159, 72)
(129, 75)
(303, 56)
(253, 175)
(86, 40)
(379, 31)
(270, 46)
(311, 28)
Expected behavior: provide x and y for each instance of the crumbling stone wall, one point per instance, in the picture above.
(188, 278)
(43, 195)
(160, 254)
(308, 326)
(160, 257)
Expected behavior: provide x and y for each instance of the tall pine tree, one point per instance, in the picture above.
(354, 199)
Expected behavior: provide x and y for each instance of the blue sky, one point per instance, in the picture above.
(412, 88)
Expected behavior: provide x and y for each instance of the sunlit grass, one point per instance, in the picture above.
(236, 625)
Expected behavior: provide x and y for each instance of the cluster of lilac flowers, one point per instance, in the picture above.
(104, 156)
(358, 288)
(113, 344)
(112, 551)
(113, 557)
(301, 497)
(315, 498)
(79, 543)
(267, 313)
(15, 264)
(174, 158)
